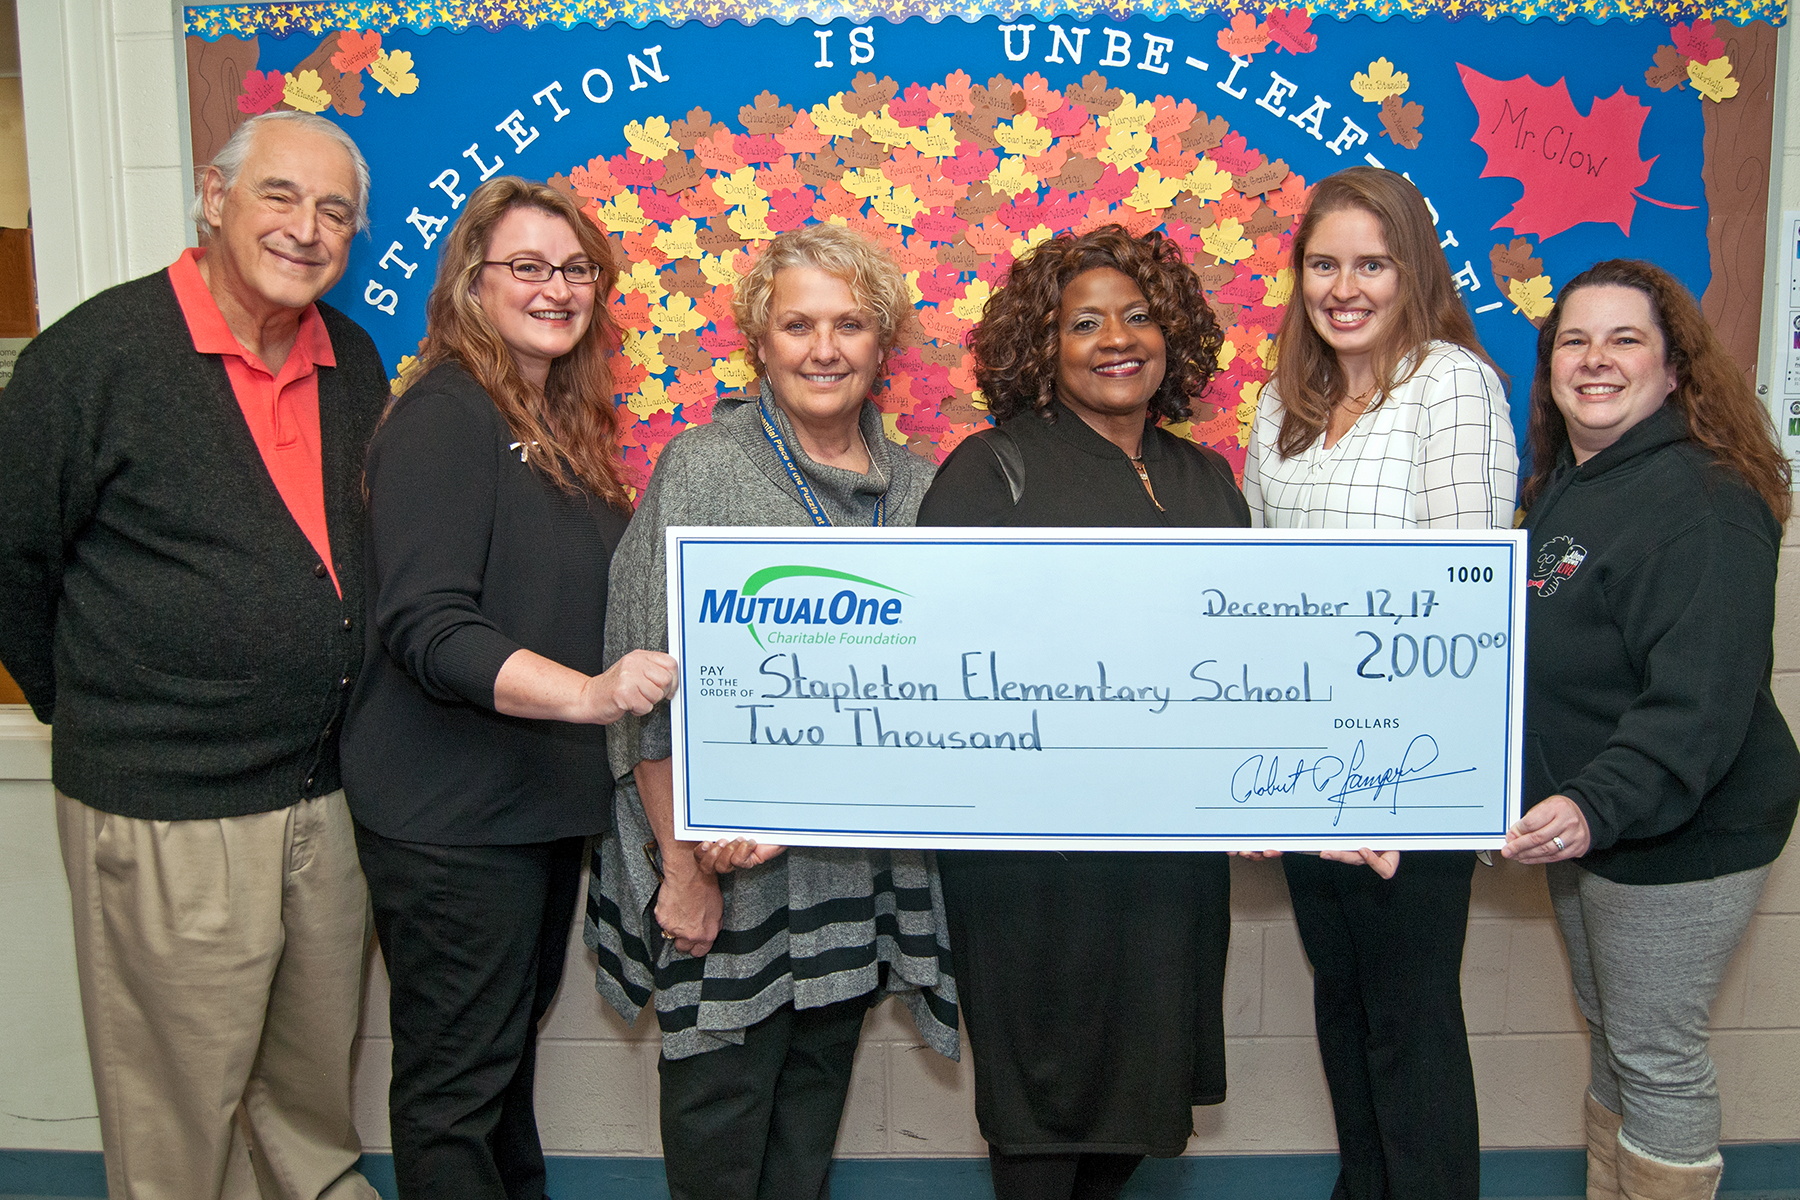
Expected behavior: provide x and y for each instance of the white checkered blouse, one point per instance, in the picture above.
(1437, 453)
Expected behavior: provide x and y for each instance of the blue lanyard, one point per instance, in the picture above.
(813, 507)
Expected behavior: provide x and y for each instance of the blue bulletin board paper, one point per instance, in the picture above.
(1065, 689)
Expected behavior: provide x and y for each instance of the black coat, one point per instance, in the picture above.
(1647, 702)
(474, 555)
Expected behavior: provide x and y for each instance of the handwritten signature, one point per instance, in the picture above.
(1262, 776)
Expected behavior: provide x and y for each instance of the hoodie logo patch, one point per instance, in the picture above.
(1556, 560)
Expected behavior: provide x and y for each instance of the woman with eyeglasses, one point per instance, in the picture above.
(473, 754)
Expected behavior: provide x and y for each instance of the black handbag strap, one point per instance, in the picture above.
(1012, 462)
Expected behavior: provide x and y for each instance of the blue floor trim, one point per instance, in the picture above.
(1768, 1170)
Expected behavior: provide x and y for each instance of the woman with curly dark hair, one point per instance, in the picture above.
(1091, 982)
(1662, 779)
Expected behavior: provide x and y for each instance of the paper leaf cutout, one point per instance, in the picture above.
(393, 73)
(1670, 71)
(1696, 41)
(1400, 121)
(650, 137)
(1246, 36)
(691, 128)
(1531, 296)
(1713, 80)
(305, 93)
(1514, 260)
(1379, 82)
(355, 51)
(1289, 29)
(262, 91)
(767, 115)
(1574, 168)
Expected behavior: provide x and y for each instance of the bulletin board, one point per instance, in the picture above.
(1545, 134)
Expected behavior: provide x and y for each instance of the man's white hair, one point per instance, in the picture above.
(229, 161)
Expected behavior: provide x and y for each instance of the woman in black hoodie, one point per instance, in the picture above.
(1663, 779)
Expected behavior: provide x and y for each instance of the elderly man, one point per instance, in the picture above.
(181, 595)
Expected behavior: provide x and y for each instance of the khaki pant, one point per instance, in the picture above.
(221, 977)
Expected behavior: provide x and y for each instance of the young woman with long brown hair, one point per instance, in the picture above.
(472, 759)
(1384, 413)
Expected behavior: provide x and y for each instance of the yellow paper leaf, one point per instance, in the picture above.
(938, 138)
(680, 240)
(739, 187)
(1153, 192)
(751, 221)
(899, 207)
(393, 73)
(886, 130)
(623, 214)
(866, 182)
(1531, 296)
(1023, 136)
(1207, 181)
(1130, 115)
(718, 271)
(1248, 395)
(832, 120)
(733, 372)
(1227, 240)
(651, 399)
(973, 301)
(1379, 82)
(650, 137)
(1227, 352)
(1281, 288)
(912, 287)
(645, 349)
(890, 428)
(644, 278)
(676, 315)
(1125, 148)
(1713, 80)
(1265, 350)
(1011, 177)
(1039, 233)
(305, 92)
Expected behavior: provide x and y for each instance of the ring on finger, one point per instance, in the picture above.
(1558, 843)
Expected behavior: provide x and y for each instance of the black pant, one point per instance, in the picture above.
(1387, 998)
(1060, 1176)
(758, 1121)
(474, 938)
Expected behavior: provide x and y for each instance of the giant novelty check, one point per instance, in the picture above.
(1122, 689)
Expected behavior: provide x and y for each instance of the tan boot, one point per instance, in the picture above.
(1645, 1178)
(1602, 1149)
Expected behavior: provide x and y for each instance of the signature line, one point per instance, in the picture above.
(826, 803)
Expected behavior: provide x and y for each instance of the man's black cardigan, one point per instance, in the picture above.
(157, 599)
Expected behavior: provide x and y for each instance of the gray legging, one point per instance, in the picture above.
(1646, 962)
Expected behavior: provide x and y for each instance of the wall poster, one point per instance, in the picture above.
(1546, 134)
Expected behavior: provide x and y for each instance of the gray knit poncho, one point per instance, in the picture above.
(811, 926)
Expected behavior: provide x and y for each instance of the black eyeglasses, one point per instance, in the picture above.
(531, 270)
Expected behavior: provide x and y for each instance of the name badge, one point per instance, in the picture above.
(1083, 689)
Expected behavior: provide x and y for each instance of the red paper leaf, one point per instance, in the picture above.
(1697, 42)
(1287, 28)
(789, 210)
(1573, 168)
(262, 91)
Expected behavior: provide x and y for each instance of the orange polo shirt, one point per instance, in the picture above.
(282, 409)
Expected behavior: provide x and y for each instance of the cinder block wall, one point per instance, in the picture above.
(597, 1089)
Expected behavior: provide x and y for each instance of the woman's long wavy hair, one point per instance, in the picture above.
(572, 420)
(1016, 345)
(1307, 372)
(1711, 393)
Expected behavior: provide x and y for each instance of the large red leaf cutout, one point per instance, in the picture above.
(1574, 168)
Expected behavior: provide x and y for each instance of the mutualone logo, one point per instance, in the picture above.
(759, 604)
